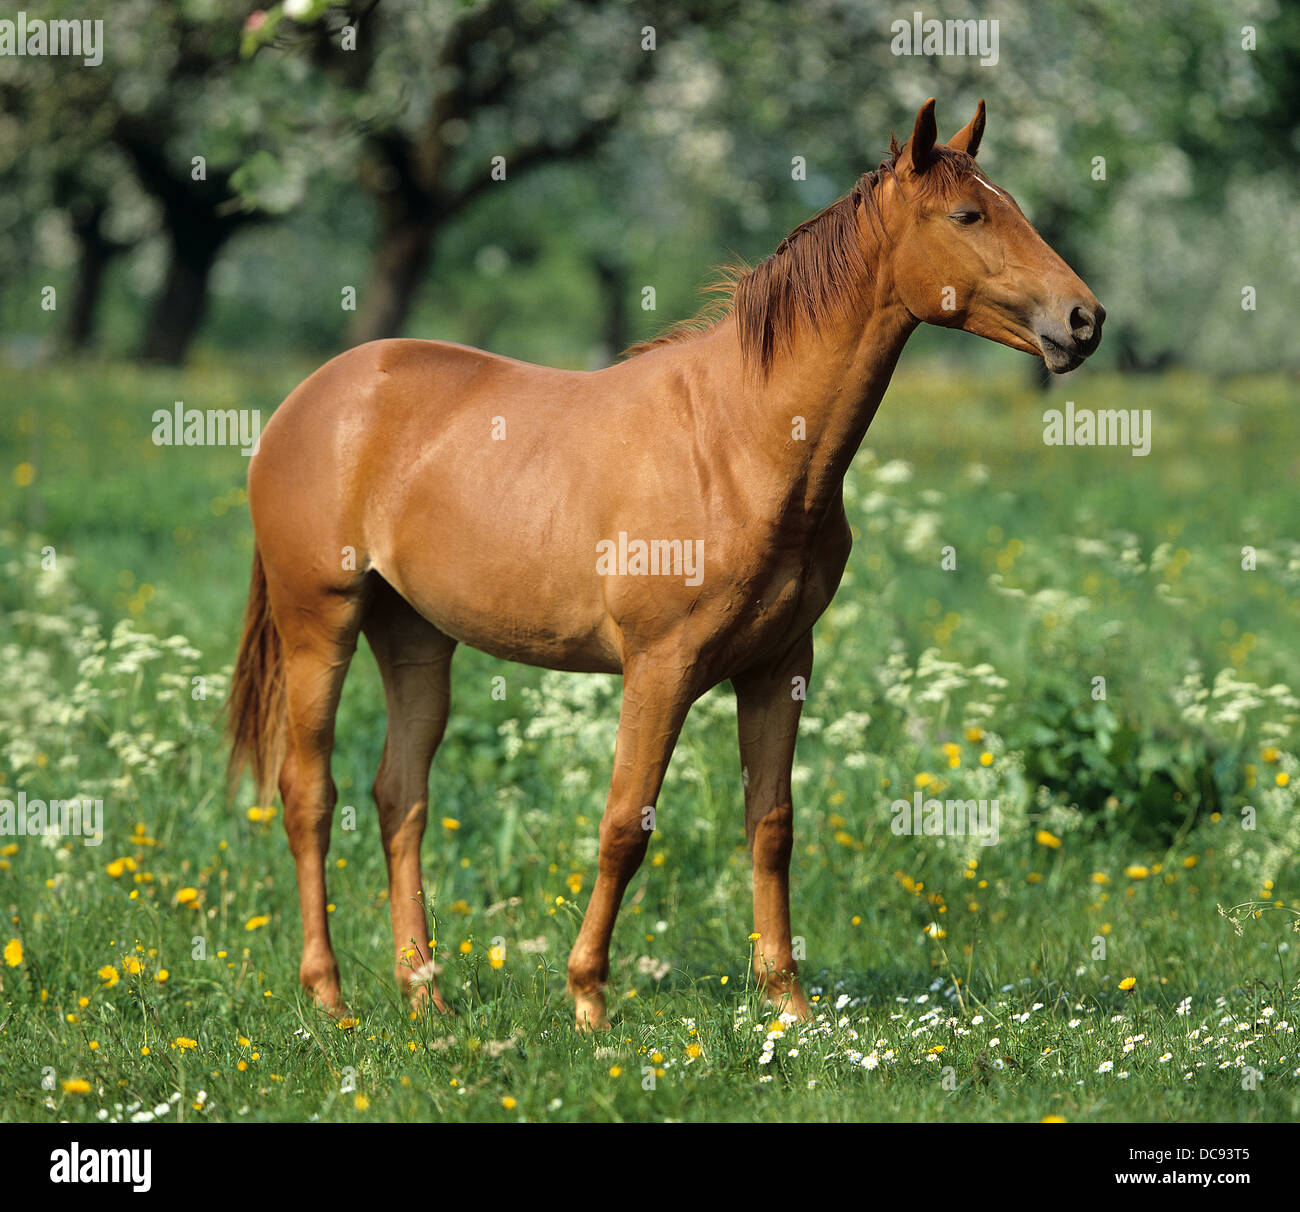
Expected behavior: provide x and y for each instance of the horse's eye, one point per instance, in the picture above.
(966, 217)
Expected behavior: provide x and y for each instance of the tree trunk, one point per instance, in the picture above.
(94, 252)
(612, 275)
(179, 308)
(401, 258)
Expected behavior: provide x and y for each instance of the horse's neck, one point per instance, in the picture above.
(807, 417)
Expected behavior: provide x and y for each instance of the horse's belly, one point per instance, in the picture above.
(503, 607)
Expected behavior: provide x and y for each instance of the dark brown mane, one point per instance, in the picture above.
(815, 274)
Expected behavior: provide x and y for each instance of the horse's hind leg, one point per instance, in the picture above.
(319, 634)
(414, 660)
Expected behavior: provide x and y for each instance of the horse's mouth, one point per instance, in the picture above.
(1058, 358)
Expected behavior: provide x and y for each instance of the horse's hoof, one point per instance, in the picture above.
(589, 1013)
(337, 1009)
(424, 996)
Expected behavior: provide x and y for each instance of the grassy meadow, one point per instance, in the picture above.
(1128, 951)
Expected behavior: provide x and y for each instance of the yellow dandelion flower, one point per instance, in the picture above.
(1127, 983)
(509, 1103)
(450, 823)
(1050, 840)
(13, 953)
(1137, 872)
(76, 1085)
(257, 922)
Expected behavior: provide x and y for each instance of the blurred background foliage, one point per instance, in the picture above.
(327, 167)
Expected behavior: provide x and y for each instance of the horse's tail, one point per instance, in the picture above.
(256, 710)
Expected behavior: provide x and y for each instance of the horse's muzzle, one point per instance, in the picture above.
(1066, 347)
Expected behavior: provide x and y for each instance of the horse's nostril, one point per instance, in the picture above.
(1082, 323)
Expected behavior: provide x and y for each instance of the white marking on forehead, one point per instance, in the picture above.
(992, 188)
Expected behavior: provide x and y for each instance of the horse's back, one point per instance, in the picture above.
(446, 470)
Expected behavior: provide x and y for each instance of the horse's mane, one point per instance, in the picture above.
(816, 273)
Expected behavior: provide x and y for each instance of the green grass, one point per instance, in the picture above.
(970, 992)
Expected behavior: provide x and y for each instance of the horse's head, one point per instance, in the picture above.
(965, 256)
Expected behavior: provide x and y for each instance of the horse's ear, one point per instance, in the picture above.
(920, 147)
(968, 138)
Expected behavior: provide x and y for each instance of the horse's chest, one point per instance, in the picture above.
(789, 598)
(790, 606)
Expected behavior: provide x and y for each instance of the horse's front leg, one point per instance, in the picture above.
(656, 697)
(768, 703)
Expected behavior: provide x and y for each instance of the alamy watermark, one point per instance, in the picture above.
(935, 37)
(60, 818)
(1102, 427)
(216, 427)
(626, 557)
(77, 39)
(88, 1164)
(920, 817)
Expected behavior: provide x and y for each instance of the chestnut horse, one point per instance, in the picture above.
(676, 518)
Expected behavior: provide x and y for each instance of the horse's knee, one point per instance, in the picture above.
(773, 838)
(624, 837)
(403, 811)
